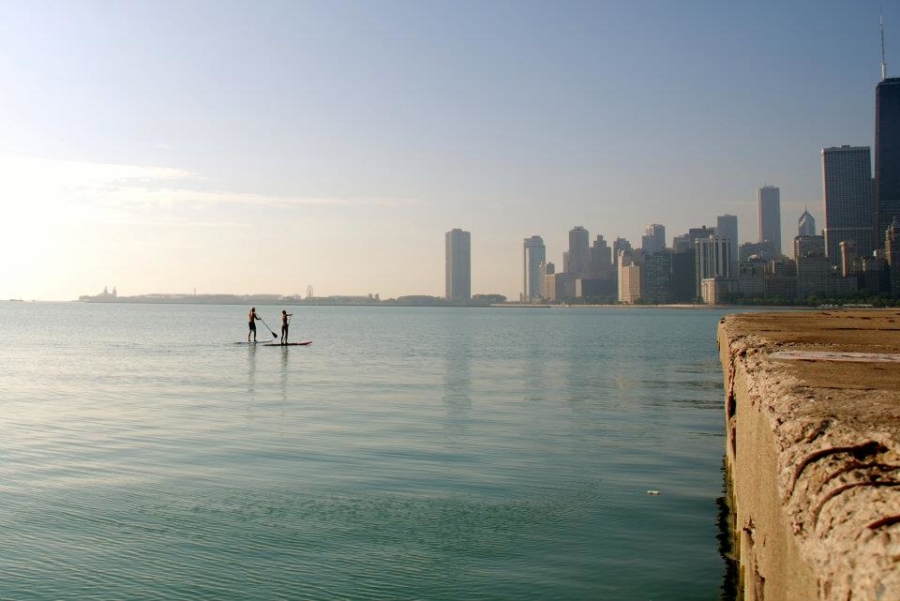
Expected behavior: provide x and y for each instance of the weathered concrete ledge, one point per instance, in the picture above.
(813, 450)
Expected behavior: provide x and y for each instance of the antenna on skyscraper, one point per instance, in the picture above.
(883, 64)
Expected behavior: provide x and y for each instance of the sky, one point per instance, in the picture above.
(266, 147)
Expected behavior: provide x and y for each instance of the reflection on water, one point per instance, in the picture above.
(457, 389)
(285, 352)
(251, 368)
(534, 373)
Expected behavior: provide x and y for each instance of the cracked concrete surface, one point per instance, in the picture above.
(813, 449)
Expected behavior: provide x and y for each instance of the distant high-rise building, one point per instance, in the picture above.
(727, 227)
(768, 200)
(760, 250)
(681, 243)
(849, 207)
(892, 243)
(849, 257)
(656, 287)
(629, 279)
(684, 274)
(751, 279)
(892, 256)
(535, 255)
(873, 277)
(685, 242)
(654, 239)
(809, 246)
(713, 260)
(601, 257)
(578, 259)
(700, 233)
(806, 225)
(887, 155)
(548, 281)
(817, 276)
(458, 264)
(620, 244)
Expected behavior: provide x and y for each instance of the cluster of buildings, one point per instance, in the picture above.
(856, 254)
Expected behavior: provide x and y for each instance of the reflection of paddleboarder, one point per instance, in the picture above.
(252, 317)
(285, 323)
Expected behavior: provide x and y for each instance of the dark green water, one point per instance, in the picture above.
(406, 454)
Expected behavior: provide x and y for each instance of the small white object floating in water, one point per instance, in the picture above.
(655, 493)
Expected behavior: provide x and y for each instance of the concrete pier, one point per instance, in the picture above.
(812, 402)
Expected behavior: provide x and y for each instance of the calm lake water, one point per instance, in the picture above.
(408, 453)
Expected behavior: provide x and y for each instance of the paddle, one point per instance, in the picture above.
(274, 335)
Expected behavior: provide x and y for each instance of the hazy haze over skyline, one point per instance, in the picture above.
(264, 147)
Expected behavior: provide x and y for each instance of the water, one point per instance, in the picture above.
(408, 453)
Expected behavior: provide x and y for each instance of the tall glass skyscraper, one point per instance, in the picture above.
(769, 202)
(534, 256)
(849, 207)
(887, 155)
(458, 265)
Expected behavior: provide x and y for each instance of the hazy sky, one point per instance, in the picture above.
(263, 147)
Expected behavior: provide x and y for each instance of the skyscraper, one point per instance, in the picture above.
(535, 255)
(579, 256)
(887, 155)
(699, 233)
(654, 239)
(713, 259)
(656, 287)
(548, 281)
(601, 257)
(806, 225)
(618, 245)
(458, 265)
(892, 255)
(849, 207)
(809, 246)
(849, 257)
(629, 278)
(769, 202)
(727, 227)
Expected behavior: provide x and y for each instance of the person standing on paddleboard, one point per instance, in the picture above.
(285, 322)
(252, 317)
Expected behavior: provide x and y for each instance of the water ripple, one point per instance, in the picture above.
(411, 454)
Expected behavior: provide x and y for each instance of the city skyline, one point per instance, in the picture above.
(166, 148)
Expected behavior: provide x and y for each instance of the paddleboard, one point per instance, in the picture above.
(304, 343)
